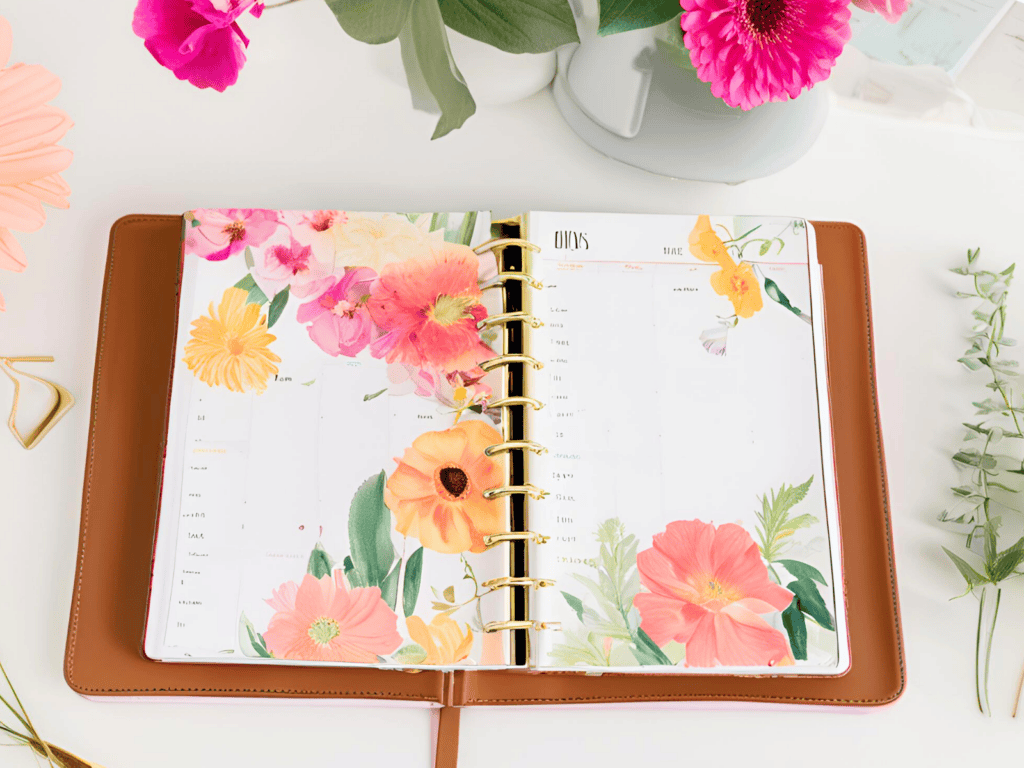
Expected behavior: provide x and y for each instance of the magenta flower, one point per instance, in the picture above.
(341, 323)
(292, 265)
(223, 233)
(754, 51)
(198, 40)
(890, 10)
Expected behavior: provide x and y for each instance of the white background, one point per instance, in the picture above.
(314, 124)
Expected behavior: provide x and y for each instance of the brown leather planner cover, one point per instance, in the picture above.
(122, 484)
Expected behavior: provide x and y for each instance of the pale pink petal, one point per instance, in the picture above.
(40, 128)
(12, 257)
(666, 619)
(34, 164)
(283, 598)
(20, 210)
(743, 638)
(6, 40)
(44, 192)
(25, 87)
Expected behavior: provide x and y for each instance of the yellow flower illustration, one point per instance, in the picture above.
(739, 283)
(442, 639)
(706, 245)
(229, 347)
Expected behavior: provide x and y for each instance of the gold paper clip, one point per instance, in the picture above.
(493, 539)
(517, 581)
(61, 403)
(506, 402)
(508, 490)
(513, 445)
(510, 317)
(497, 362)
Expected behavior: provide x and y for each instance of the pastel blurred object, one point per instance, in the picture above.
(198, 40)
(30, 160)
(890, 10)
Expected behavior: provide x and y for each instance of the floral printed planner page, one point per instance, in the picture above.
(323, 497)
(692, 508)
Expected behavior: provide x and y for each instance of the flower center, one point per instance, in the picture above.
(294, 261)
(235, 231)
(738, 285)
(714, 594)
(321, 221)
(765, 18)
(448, 310)
(452, 482)
(323, 630)
(235, 347)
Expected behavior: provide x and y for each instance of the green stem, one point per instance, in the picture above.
(983, 646)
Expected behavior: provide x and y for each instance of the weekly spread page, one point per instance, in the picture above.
(324, 494)
(691, 503)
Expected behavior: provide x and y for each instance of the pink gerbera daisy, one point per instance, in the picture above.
(753, 51)
(429, 309)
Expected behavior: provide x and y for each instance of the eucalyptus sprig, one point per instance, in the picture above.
(978, 513)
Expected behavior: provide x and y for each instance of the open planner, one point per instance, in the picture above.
(562, 442)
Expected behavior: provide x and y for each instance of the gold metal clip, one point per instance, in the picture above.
(493, 539)
(517, 581)
(513, 445)
(501, 626)
(510, 317)
(508, 490)
(497, 362)
(506, 402)
(504, 277)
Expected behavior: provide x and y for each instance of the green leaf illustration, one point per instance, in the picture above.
(411, 583)
(438, 221)
(803, 571)
(369, 531)
(796, 628)
(810, 603)
(466, 230)
(449, 594)
(776, 295)
(625, 15)
(369, 21)
(250, 262)
(410, 654)
(389, 587)
(255, 293)
(515, 26)
(429, 64)
(575, 603)
(774, 522)
(647, 651)
(320, 563)
(373, 395)
(250, 641)
(277, 306)
(354, 579)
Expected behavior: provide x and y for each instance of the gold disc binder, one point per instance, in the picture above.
(516, 323)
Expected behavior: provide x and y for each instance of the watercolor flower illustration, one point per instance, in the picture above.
(340, 323)
(198, 40)
(361, 241)
(230, 346)
(428, 310)
(753, 53)
(709, 588)
(739, 284)
(436, 492)
(444, 641)
(705, 243)
(30, 159)
(714, 339)
(220, 234)
(315, 229)
(290, 265)
(322, 620)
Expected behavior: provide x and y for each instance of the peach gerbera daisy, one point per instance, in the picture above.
(322, 620)
(436, 493)
(30, 160)
(443, 639)
(229, 348)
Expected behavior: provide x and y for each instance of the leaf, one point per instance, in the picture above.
(515, 26)
(369, 531)
(796, 628)
(320, 563)
(647, 651)
(371, 21)
(776, 295)
(438, 221)
(256, 294)
(971, 576)
(624, 15)
(578, 648)
(466, 230)
(410, 654)
(809, 602)
(575, 603)
(425, 50)
(765, 247)
(277, 306)
(250, 262)
(354, 579)
(251, 641)
(389, 587)
(372, 395)
(1007, 561)
(449, 594)
(803, 571)
(411, 583)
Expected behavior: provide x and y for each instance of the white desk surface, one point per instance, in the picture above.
(312, 124)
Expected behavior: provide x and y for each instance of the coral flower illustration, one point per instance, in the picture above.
(428, 310)
(755, 51)
(436, 493)
(198, 40)
(230, 347)
(340, 321)
(708, 589)
(322, 620)
(30, 160)
(443, 640)
(223, 233)
(739, 283)
(705, 243)
(361, 241)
